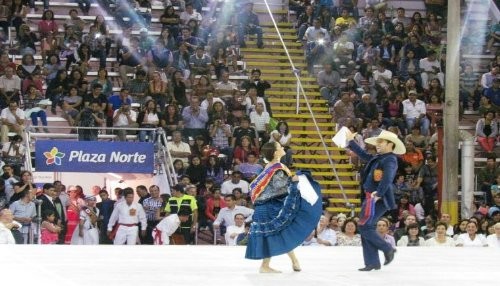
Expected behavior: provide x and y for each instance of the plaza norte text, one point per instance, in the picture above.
(115, 157)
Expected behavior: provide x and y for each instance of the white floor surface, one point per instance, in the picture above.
(221, 265)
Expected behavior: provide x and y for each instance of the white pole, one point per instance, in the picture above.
(467, 180)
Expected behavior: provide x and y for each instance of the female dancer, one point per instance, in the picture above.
(282, 218)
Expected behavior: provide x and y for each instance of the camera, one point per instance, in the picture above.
(87, 211)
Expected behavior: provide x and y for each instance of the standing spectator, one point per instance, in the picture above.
(24, 212)
(152, 207)
(105, 207)
(428, 179)
(248, 23)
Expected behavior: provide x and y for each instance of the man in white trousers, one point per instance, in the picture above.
(167, 226)
(127, 215)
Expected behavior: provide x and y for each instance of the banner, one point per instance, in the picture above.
(94, 157)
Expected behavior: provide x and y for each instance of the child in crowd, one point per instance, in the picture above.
(49, 231)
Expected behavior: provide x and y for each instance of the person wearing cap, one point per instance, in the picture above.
(178, 203)
(378, 188)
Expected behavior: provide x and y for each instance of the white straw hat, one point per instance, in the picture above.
(399, 147)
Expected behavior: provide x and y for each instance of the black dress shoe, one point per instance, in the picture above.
(370, 268)
(389, 256)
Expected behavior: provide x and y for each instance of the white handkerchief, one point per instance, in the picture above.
(340, 138)
(307, 191)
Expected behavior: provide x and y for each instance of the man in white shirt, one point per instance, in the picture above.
(128, 214)
(12, 119)
(10, 84)
(312, 32)
(260, 120)
(431, 68)
(6, 236)
(227, 214)
(382, 76)
(236, 182)
(210, 100)
(415, 113)
(189, 14)
(124, 117)
(178, 149)
(225, 88)
(232, 231)
(322, 235)
(168, 226)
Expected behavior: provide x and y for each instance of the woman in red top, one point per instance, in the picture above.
(47, 24)
(241, 152)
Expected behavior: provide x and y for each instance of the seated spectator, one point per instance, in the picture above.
(241, 151)
(97, 96)
(215, 172)
(329, 83)
(233, 231)
(415, 113)
(28, 67)
(248, 23)
(431, 68)
(171, 120)
(47, 24)
(178, 149)
(124, 117)
(365, 22)
(343, 50)
(343, 111)
(349, 235)
(493, 92)
(138, 87)
(322, 235)
(26, 40)
(190, 42)
(189, 13)
(412, 237)
(382, 78)
(201, 89)
(344, 20)
(200, 62)
(316, 51)
(158, 90)
(494, 37)
(471, 237)
(92, 117)
(252, 99)
(440, 239)
(244, 130)
(220, 134)
(366, 110)
(196, 170)
(226, 215)
(260, 120)
(304, 21)
(283, 135)
(13, 153)
(367, 52)
(235, 182)
(393, 113)
(10, 85)
(494, 238)
(130, 58)
(148, 118)
(429, 227)
(312, 32)
(170, 20)
(372, 129)
(225, 88)
(487, 131)
(251, 168)
(195, 119)
(402, 226)
(383, 230)
(35, 108)
(12, 118)
(104, 81)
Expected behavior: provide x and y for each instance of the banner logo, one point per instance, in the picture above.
(53, 157)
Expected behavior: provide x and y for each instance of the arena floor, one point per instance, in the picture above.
(221, 265)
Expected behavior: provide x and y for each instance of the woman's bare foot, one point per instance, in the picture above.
(296, 266)
(264, 269)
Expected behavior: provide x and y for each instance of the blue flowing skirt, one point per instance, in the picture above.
(283, 223)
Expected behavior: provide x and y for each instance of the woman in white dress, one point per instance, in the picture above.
(471, 238)
(440, 239)
(87, 232)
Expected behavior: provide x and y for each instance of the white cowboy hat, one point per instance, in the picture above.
(399, 147)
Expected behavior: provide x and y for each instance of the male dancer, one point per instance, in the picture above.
(377, 184)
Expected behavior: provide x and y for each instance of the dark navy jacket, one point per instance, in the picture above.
(388, 164)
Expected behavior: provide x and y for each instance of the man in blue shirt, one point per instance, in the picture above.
(493, 92)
